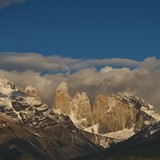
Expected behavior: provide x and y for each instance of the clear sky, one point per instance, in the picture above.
(82, 28)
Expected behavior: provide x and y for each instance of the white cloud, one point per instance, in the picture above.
(113, 75)
(106, 69)
(37, 62)
(110, 69)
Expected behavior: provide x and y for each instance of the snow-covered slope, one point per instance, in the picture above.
(143, 106)
(24, 115)
(17, 104)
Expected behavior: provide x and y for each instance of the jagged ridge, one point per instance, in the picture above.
(115, 116)
(29, 123)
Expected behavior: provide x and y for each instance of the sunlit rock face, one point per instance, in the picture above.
(112, 114)
(81, 110)
(77, 108)
(62, 99)
(115, 116)
(30, 90)
(119, 112)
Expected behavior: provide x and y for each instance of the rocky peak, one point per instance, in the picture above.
(81, 110)
(122, 111)
(77, 108)
(26, 119)
(6, 87)
(62, 99)
(62, 87)
(112, 114)
(17, 104)
(7, 84)
(30, 90)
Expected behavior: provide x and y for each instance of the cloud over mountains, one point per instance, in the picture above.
(40, 63)
(91, 75)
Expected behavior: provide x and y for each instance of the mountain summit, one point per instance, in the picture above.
(77, 108)
(30, 130)
(62, 100)
(73, 128)
(30, 90)
(114, 116)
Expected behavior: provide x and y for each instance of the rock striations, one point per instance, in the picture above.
(114, 116)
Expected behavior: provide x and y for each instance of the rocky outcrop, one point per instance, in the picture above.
(110, 115)
(119, 112)
(30, 90)
(62, 100)
(77, 108)
(81, 110)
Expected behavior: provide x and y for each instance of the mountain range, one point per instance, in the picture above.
(114, 117)
(73, 128)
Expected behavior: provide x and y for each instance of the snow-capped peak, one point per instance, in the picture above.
(7, 87)
(142, 104)
(17, 104)
(7, 84)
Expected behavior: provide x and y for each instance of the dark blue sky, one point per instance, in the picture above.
(83, 28)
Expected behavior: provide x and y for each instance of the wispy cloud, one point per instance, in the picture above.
(112, 75)
(6, 3)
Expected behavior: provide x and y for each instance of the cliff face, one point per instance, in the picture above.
(62, 100)
(110, 115)
(78, 107)
(113, 114)
(81, 110)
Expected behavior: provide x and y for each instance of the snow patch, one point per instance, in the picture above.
(120, 134)
(153, 131)
(151, 113)
(93, 129)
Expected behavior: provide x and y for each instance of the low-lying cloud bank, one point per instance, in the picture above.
(94, 76)
(55, 64)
